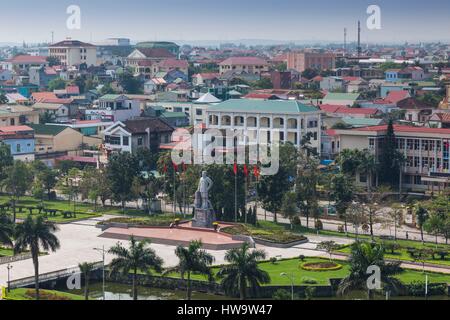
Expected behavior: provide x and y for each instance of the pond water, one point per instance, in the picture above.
(115, 291)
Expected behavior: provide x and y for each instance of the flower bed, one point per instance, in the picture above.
(321, 266)
(153, 221)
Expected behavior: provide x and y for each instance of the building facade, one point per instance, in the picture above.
(74, 53)
(255, 118)
(300, 61)
(20, 139)
(426, 151)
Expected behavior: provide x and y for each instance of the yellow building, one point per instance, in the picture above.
(14, 115)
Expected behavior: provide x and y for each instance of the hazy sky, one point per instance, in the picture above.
(324, 20)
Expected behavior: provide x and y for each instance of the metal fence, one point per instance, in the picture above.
(20, 257)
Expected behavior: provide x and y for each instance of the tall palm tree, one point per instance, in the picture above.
(6, 229)
(243, 271)
(137, 258)
(363, 256)
(86, 269)
(368, 165)
(33, 234)
(192, 260)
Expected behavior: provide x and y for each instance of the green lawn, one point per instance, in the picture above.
(28, 294)
(160, 220)
(5, 252)
(292, 266)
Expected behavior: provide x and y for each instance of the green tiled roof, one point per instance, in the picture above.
(362, 122)
(264, 106)
(342, 96)
(48, 130)
(174, 114)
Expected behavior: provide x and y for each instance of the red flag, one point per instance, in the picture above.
(235, 169)
(184, 167)
(256, 171)
(165, 168)
(245, 170)
(175, 167)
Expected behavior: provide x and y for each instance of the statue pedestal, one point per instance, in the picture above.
(204, 218)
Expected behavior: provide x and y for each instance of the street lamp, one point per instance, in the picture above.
(9, 268)
(102, 251)
(291, 278)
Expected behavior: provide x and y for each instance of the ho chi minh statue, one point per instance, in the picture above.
(204, 214)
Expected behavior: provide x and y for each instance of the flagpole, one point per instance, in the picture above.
(235, 193)
(174, 190)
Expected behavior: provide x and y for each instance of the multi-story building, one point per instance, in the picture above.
(20, 139)
(114, 107)
(426, 151)
(145, 61)
(300, 61)
(255, 118)
(74, 52)
(251, 65)
(132, 135)
(14, 115)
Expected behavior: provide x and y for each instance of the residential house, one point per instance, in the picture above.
(416, 110)
(20, 139)
(57, 112)
(205, 79)
(5, 75)
(41, 76)
(340, 111)
(114, 107)
(440, 120)
(145, 61)
(153, 85)
(53, 141)
(14, 115)
(24, 62)
(132, 135)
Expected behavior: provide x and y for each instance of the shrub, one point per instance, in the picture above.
(391, 246)
(417, 289)
(281, 295)
(307, 280)
(302, 258)
(296, 221)
(319, 225)
(273, 260)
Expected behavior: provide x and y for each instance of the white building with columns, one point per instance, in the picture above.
(291, 119)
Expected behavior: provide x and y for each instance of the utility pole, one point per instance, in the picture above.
(345, 42)
(103, 252)
(359, 39)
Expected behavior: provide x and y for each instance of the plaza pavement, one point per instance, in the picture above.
(79, 239)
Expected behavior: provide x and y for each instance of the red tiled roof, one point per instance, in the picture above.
(12, 129)
(413, 103)
(244, 61)
(402, 128)
(71, 43)
(397, 96)
(340, 109)
(28, 59)
(174, 63)
(262, 96)
(39, 96)
(73, 90)
(207, 76)
(349, 79)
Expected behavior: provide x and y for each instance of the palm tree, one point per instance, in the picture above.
(192, 260)
(422, 217)
(6, 229)
(33, 234)
(363, 256)
(243, 271)
(368, 165)
(86, 269)
(137, 258)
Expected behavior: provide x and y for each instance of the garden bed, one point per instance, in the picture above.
(130, 222)
(265, 236)
(321, 266)
(29, 294)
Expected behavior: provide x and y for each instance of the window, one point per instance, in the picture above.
(126, 141)
(199, 112)
(140, 141)
(18, 148)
